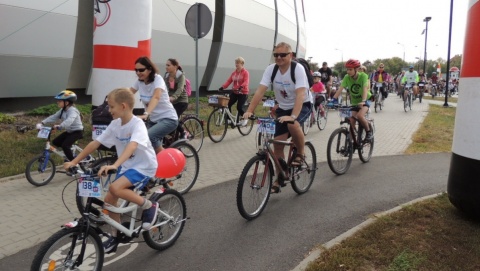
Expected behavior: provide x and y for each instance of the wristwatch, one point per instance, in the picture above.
(293, 116)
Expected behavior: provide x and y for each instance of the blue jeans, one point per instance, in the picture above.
(157, 130)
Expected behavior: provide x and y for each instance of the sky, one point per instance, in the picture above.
(372, 29)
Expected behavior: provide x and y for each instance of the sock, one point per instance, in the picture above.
(146, 204)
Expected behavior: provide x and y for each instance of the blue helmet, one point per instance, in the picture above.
(66, 95)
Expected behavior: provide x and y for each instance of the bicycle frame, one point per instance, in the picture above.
(355, 128)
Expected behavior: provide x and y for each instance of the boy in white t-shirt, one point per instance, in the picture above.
(136, 159)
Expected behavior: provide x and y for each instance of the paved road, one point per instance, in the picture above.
(31, 214)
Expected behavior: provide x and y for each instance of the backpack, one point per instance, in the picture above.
(101, 115)
(300, 61)
(188, 87)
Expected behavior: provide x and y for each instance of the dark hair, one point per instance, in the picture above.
(175, 63)
(145, 61)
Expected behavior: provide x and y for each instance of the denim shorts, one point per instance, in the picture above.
(157, 130)
(282, 128)
(136, 178)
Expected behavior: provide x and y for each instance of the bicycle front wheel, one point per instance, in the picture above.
(253, 189)
(322, 120)
(189, 174)
(339, 151)
(405, 102)
(61, 250)
(245, 130)
(173, 214)
(217, 125)
(40, 170)
(194, 127)
(306, 124)
(303, 176)
(366, 147)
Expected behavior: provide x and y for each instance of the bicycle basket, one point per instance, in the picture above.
(218, 101)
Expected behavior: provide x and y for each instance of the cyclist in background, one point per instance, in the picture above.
(71, 122)
(136, 160)
(161, 118)
(175, 81)
(294, 103)
(319, 92)
(357, 84)
(326, 78)
(411, 76)
(381, 76)
(241, 79)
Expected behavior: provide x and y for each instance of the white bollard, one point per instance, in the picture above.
(464, 176)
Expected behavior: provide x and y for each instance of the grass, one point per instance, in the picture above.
(442, 99)
(429, 235)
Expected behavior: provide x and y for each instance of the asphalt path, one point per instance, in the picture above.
(218, 238)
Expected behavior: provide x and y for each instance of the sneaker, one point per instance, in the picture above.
(369, 136)
(242, 123)
(149, 216)
(110, 245)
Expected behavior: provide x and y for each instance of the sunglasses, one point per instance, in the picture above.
(282, 55)
(140, 70)
(380, 67)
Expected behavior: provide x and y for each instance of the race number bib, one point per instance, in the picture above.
(97, 130)
(89, 187)
(269, 103)
(266, 126)
(379, 85)
(213, 100)
(345, 113)
(44, 132)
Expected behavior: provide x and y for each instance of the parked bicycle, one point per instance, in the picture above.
(347, 139)
(379, 99)
(221, 118)
(42, 168)
(79, 246)
(255, 183)
(407, 96)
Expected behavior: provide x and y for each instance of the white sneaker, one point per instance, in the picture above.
(243, 123)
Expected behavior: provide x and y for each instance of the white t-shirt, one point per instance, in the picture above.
(143, 159)
(283, 86)
(164, 108)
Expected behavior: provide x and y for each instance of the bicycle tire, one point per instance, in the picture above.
(189, 173)
(306, 124)
(342, 148)
(60, 245)
(322, 121)
(33, 174)
(410, 101)
(82, 201)
(405, 102)
(252, 195)
(217, 125)
(366, 149)
(420, 96)
(376, 102)
(171, 202)
(194, 127)
(245, 130)
(303, 181)
(380, 100)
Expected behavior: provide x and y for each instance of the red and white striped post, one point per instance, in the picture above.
(122, 33)
(464, 176)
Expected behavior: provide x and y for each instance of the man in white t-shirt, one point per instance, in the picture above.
(292, 94)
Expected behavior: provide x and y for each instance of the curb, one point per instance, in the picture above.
(337, 240)
(11, 178)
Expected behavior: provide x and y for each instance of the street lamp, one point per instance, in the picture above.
(403, 45)
(426, 20)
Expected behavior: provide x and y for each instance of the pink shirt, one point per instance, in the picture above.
(318, 87)
(239, 79)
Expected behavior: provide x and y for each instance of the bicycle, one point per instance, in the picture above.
(433, 90)
(221, 118)
(194, 133)
(407, 96)
(379, 99)
(79, 242)
(41, 169)
(421, 91)
(255, 182)
(318, 115)
(344, 141)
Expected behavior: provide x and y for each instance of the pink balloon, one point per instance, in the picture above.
(171, 162)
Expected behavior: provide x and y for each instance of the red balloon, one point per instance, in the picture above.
(171, 162)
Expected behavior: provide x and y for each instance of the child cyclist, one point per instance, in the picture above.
(357, 84)
(72, 122)
(136, 162)
(319, 91)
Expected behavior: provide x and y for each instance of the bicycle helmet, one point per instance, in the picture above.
(66, 95)
(434, 73)
(316, 74)
(352, 63)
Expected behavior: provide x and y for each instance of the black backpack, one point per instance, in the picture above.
(100, 115)
(305, 65)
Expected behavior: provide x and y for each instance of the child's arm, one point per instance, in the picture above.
(52, 118)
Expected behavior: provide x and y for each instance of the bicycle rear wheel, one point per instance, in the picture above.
(61, 250)
(188, 176)
(253, 189)
(322, 120)
(303, 176)
(194, 127)
(40, 171)
(366, 147)
(245, 130)
(217, 125)
(174, 209)
(339, 151)
(405, 102)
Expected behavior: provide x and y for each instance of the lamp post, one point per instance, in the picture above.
(403, 45)
(426, 20)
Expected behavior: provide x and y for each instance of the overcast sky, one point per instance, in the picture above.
(371, 29)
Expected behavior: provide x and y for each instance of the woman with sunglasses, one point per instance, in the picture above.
(161, 118)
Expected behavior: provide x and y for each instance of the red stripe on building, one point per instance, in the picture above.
(471, 49)
(119, 57)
